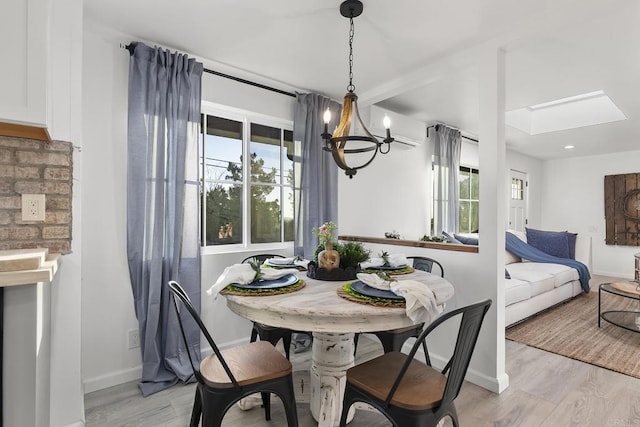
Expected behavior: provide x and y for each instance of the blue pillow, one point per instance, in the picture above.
(554, 243)
(572, 244)
(450, 238)
(466, 240)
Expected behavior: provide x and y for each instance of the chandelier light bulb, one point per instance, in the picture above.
(386, 122)
(327, 116)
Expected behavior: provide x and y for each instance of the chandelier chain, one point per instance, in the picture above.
(351, 87)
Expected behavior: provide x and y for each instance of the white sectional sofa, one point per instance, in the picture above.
(534, 286)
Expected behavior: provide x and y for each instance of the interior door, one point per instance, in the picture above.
(518, 200)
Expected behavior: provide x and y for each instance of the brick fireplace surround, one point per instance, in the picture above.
(30, 166)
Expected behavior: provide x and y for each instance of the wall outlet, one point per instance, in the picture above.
(133, 338)
(33, 207)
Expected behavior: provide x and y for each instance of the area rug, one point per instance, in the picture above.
(571, 330)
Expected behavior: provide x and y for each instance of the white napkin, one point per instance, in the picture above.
(373, 262)
(420, 301)
(244, 274)
(302, 263)
(280, 261)
(395, 260)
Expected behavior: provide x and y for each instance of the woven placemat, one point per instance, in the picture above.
(628, 287)
(404, 270)
(233, 290)
(349, 294)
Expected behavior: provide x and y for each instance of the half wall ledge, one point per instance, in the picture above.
(411, 243)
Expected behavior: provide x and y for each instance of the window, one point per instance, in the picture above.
(517, 189)
(246, 171)
(469, 199)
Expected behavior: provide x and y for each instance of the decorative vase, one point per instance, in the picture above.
(329, 257)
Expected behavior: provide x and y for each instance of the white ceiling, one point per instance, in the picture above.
(417, 57)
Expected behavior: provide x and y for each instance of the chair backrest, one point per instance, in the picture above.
(262, 257)
(179, 294)
(469, 329)
(425, 264)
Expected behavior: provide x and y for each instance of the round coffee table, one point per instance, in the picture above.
(626, 319)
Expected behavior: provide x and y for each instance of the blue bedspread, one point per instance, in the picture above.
(524, 250)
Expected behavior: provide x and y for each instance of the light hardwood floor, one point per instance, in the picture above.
(545, 389)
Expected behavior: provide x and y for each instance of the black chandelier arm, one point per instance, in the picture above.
(338, 151)
(388, 146)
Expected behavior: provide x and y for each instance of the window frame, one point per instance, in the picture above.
(471, 170)
(245, 117)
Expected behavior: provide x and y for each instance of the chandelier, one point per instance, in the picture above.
(366, 144)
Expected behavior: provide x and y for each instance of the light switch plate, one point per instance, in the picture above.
(33, 207)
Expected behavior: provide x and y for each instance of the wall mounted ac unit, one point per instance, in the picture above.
(407, 132)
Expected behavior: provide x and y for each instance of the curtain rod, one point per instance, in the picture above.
(462, 136)
(237, 79)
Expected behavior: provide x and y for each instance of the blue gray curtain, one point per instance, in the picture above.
(162, 206)
(316, 174)
(446, 164)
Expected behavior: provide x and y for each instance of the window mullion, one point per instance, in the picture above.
(246, 183)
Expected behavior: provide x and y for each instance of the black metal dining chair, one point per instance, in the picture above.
(392, 340)
(411, 393)
(268, 333)
(225, 377)
(426, 264)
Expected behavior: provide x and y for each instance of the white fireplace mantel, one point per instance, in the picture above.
(26, 343)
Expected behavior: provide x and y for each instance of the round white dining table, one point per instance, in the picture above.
(333, 320)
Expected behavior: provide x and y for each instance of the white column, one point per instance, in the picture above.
(332, 355)
(489, 356)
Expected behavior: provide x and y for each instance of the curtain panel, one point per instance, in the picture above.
(446, 165)
(162, 206)
(316, 174)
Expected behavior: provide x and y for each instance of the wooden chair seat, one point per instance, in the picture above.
(227, 376)
(421, 388)
(411, 393)
(250, 363)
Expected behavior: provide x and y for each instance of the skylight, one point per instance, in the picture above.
(573, 112)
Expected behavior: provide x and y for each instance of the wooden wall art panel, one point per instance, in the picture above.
(622, 209)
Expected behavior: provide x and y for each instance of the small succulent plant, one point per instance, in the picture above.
(257, 267)
(385, 257)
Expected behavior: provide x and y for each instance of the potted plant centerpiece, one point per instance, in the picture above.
(328, 257)
(334, 260)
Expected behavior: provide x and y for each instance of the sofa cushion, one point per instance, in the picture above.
(561, 273)
(554, 243)
(470, 239)
(539, 280)
(510, 258)
(572, 237)
(516, 291)
(450, 238)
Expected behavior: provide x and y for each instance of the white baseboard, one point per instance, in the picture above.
(76, 424)
(134, 374)
(112, 379)
(614, 274)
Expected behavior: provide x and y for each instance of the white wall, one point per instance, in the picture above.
(392, 193)
(400, 184)
(573, 199)
(106, 360)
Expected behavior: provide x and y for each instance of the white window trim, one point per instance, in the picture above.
(245, 117)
